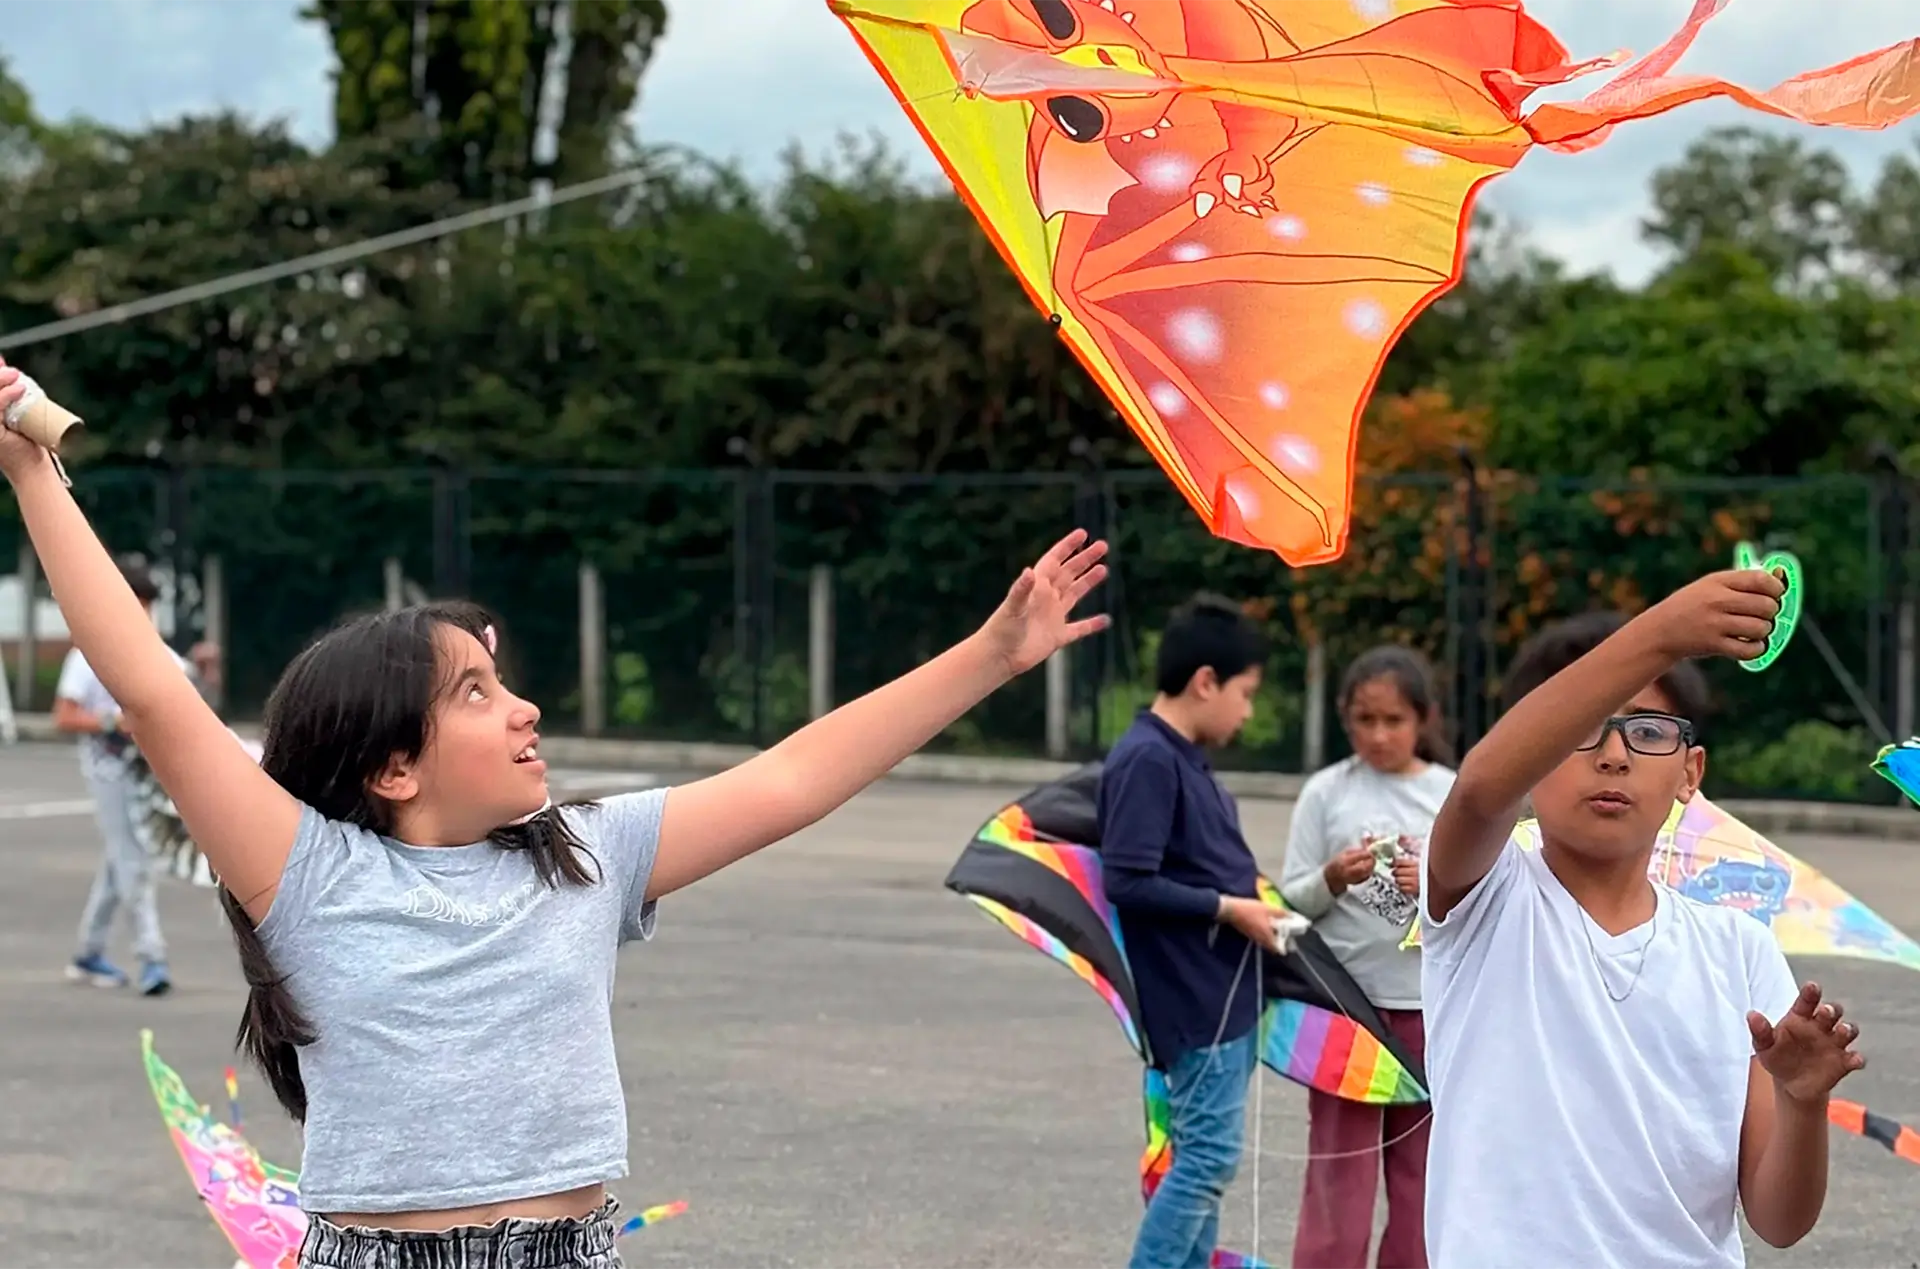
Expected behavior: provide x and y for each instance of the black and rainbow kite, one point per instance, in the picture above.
(1035, 868)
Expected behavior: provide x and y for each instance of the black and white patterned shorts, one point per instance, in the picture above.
(585, 1242)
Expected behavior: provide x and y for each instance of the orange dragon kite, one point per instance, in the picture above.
(1231, 209)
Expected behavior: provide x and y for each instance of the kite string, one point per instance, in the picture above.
(1257, 955)
(1394, 1140)
(1213, 1047)
(1259, 1117)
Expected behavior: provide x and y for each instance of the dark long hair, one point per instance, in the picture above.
(1413, 677)
(344, 709)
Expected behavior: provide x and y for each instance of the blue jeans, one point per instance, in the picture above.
(1207, 1097)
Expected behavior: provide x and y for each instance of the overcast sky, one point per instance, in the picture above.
(746, 78)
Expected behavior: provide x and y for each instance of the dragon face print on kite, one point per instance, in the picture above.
(1231, 209)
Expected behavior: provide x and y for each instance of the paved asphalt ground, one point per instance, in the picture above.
(834, 1061)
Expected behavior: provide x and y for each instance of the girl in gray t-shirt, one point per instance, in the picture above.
(429, 942)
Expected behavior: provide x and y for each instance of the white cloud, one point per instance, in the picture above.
(744, 79)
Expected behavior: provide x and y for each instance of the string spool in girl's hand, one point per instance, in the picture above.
(40, 418)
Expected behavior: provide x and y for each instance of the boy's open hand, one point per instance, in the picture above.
(1032, 623)
(1727, 614)
(1807, 1052)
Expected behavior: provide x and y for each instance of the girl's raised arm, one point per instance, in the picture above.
(241, 819)
(714, 822)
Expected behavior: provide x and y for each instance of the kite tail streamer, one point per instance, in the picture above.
(1857, 1119)
(1158, 1156)
(652, 1216)
(1870, 92)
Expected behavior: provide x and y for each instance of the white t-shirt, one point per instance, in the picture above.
(1571, 1130)
(79, 684)
(1365, 926)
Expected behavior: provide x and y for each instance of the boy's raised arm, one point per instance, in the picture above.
(1725, 614)
(236, 813)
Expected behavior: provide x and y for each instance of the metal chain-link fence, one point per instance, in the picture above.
(710, 584)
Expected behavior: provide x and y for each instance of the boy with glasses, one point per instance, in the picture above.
(1616, 1069)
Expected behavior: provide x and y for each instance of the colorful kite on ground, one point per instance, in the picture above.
(255, 1204)
(1035, 868)
(1231, 209)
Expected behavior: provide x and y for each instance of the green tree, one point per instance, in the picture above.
(1508, 288)
(921, 351)
(1713, 369)
(481, 79)
(1770, 198)
(19, 127)
(107, 217)
(1888, 223)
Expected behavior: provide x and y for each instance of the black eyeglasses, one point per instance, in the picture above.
(1651, 735)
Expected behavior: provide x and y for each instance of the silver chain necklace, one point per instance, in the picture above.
(1646, 949)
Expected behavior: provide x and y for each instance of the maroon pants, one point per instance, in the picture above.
(1345, 1140)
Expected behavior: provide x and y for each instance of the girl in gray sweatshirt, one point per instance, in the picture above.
(1353, 868)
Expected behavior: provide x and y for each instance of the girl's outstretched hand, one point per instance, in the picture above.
(1032, 623)
(711, 823)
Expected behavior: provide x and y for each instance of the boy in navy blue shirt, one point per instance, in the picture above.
(1183, 882)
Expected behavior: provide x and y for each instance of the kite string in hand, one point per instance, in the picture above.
(1257, 954)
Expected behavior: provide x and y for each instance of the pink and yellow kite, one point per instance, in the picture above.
(255, 1204)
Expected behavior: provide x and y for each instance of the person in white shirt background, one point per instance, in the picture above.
(83, 707)
(1363, 904)
(1617, 1070)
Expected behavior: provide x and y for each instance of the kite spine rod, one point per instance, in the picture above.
(117, 313)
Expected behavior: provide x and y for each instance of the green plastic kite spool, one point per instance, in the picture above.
(1787, 565)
